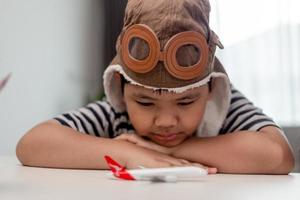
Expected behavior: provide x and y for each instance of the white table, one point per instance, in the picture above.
(19, 182)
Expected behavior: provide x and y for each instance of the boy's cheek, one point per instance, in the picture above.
(140, 129)
(141, 125)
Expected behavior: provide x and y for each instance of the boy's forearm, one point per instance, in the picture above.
(53, 145)
(246, 152)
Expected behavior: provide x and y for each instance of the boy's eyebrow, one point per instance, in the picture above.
(186, 97)
(190, 96)
(143, 96)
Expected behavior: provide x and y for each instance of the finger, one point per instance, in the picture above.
(135, 138)
(121, 137)
(199, 165)
(127, 137)
(212, 170)
(179, 162)
(172, 161)
(183, 161)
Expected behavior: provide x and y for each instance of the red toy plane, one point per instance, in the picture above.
(169, 174)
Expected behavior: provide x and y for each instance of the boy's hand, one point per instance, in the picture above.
(137, 140)
(151, 155)
(137, 156)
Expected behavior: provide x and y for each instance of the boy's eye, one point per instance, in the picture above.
(185, 103)
(144, 103)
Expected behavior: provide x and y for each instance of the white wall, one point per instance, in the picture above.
(52, 48)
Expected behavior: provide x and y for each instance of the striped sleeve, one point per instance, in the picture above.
(243, 115)
(97, 119)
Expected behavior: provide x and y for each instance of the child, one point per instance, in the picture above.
(169, 103)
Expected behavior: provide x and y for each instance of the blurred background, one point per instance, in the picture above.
(57, 50)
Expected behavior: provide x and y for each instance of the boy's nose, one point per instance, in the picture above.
(166, 120)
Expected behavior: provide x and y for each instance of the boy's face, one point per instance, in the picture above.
(164, 117)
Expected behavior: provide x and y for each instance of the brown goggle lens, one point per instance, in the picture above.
(188, 55)
(138, 48)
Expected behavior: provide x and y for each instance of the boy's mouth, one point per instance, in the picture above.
(166, 137)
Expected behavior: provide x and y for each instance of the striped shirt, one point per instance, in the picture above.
(101, 120)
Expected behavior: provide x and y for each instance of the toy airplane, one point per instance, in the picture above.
(170, 174)
(4, 81)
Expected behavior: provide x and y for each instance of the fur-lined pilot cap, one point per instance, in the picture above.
(168, 44)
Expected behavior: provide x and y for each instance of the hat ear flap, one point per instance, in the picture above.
(216, 40)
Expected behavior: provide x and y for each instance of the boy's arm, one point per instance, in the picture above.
(53, 145)
(264, 152)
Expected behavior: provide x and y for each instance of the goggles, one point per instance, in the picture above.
(185, 55)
